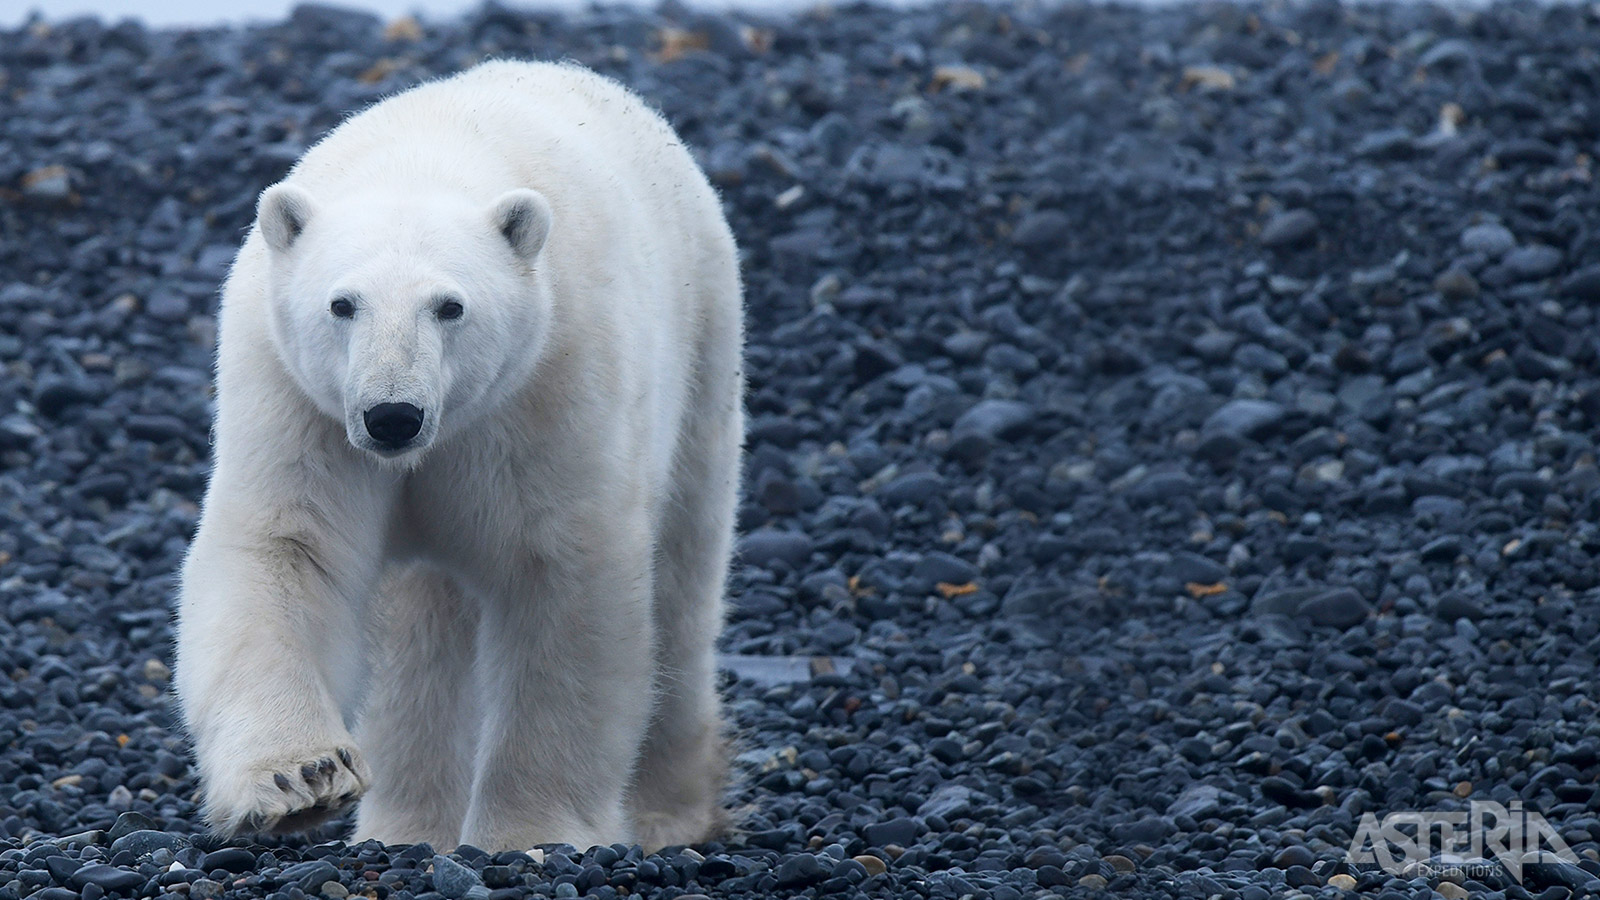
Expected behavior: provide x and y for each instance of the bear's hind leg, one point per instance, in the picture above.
(677, 793)
(419, 727)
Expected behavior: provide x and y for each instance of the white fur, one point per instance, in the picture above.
(536, 583)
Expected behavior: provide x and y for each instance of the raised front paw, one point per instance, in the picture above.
(287, 793)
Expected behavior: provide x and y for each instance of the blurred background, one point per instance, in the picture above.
(231, 12)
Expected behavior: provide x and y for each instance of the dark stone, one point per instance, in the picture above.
(1388, 144)
(767, 546)
(935, 568)
(948, 801)
(1442, 549)
(127, 823)
(915, 488)
(53, 394)
(994, 419)
(1583, 284)
(799, 870)
(156, 427)
(1490, 240)
(1147, 830)
(168, 306)
(1291, 228)
(1456, 284)
(310, 875)
(1046, 228)
(229, 859)
(1338, 608)
(1456, 605)
(901, 831)
(1249, 418)
(108, 878)
(1282, 602)
(143, 843)
(1284, 793)
(1294, 855)
(1300, 876)
(453, 879)
(1533, 261)
(1192, 567)
(1198, 802)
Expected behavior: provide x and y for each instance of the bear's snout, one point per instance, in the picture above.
(393, 425)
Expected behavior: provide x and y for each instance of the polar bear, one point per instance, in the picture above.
(479, 399)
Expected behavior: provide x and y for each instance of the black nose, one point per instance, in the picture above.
(392, 424)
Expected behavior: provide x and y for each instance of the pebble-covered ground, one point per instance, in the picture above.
(1172, 437)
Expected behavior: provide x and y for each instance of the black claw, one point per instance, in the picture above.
(308, 771)
(281, 780)
(325, 765)
(344, 757)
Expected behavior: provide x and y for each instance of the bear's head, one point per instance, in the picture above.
(406, 318)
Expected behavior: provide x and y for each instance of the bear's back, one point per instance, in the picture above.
(613, 170)
(559, 128)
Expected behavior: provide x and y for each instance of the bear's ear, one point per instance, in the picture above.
(282, 214)
(523, 218)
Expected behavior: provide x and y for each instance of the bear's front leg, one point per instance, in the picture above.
(419, 726)
(565, 673)
(269, 654)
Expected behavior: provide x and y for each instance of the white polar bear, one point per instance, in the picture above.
(479, 394)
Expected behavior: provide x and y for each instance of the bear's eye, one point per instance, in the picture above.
(449, 309)
(342, 308)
